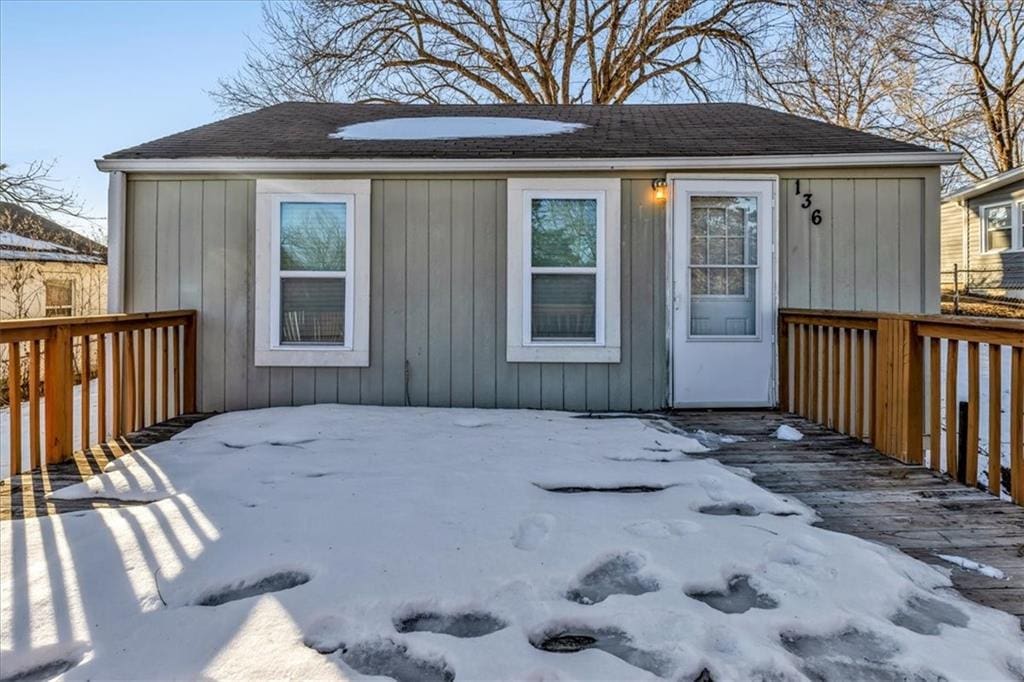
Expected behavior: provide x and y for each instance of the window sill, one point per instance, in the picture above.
(311, 357)
(564, 353)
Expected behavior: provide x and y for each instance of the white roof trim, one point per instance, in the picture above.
(269, 165)
(987, 185)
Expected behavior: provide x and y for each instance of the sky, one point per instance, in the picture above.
(84, 78)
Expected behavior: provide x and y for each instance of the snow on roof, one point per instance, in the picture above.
(23, 254)
(452, 127)
(9, 239)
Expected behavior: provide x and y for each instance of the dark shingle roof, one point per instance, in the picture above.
(301, 130)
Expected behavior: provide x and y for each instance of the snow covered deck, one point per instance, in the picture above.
(328, 541)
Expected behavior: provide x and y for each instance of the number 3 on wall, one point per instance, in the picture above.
(816, 213)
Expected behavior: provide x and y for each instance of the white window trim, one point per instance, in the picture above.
(1015, 226)
(607, 346)
(270, 193)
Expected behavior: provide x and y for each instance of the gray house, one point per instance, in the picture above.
(563, 257)
(983, 235)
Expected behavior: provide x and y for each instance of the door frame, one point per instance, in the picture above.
(670, 271)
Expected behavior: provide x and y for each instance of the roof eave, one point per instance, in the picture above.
(987, 185)
(379, 165)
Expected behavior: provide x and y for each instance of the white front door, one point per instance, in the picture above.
(723, 317)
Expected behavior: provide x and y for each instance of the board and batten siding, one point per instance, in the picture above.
(437, 305)
(438, 299)
(876, 248)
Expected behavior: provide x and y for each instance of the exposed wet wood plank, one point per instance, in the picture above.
(858, 491)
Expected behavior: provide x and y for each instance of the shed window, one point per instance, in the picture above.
(312, 273)
(997, 227)
(563, 270)
(60, 294)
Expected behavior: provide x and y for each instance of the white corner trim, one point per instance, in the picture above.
(269, 193)
(607, 349)
(386, 165)
(116, 193)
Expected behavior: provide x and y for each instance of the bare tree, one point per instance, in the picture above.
(534, 51)
(969, 94)
(838, 64)
(34, 189)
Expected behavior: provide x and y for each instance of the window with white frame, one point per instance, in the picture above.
(312, 273)
(563, 258)
(997, 227)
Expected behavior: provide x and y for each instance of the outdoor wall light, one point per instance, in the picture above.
(660, 189)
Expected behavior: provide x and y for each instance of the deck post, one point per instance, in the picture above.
(189, 379)
(57, 384)
(899, 374)
(783, 366)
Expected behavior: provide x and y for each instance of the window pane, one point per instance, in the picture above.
(734, 315)
(564, 232)
(698, 250)
(732, 217)
(312, 310)
(563, 307)
(313, 236)
(998, 225)
(718, 283)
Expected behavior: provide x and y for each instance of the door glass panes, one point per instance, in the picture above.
(563, 269)
(723, 265)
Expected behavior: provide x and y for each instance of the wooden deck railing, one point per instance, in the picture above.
(880, 377)
(143, 366)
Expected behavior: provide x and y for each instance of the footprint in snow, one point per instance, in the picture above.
(609, 640)
(851, 654)
(739, 596)
(924, 615)
(533, 531)
(464, 625)
(654, 528)
(618, 574)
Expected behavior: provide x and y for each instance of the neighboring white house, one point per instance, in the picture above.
(47, 270)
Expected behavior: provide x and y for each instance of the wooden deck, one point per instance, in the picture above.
(24, 496)
(855, 490)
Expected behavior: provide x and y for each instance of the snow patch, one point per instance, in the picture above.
(452, 128)
(422, 518)
(969, 565)
(787, 432)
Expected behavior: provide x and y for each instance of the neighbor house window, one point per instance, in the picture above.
(563, 259)
(996, 227)
(312, 272)
(60, 295)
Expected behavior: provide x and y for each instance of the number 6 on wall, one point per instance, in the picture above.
(816, 216)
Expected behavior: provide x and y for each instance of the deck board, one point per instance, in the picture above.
(856, 490)
(853, 488)
(24, 496)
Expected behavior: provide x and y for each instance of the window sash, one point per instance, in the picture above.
(987, 228)
(598, 271)
(277, 274)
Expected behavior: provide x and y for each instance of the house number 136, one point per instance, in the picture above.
(815, 213)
